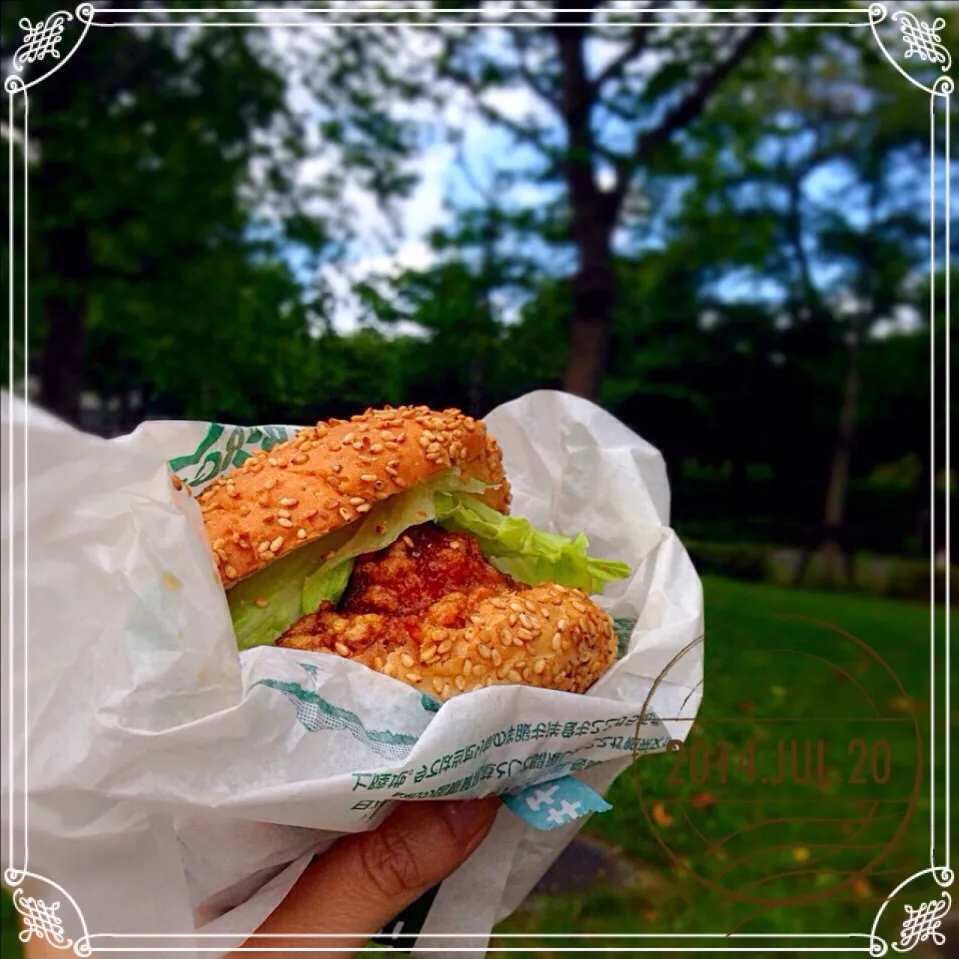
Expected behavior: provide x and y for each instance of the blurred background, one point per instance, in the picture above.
(720, 234)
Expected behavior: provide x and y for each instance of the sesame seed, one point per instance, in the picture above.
(445, 646)
(499, 603)
(408, 541)
(476, 618)
(272, 461)
(285, 513)
(270, 483)
(336, 467)
(229, 572)
(263, 501)
(484, 651)
(357, 500)
(427, 652)
(301, 533)
(406, 660)
(376, 448)
(245, 510)
(525, 620)
(437, 684)
(268, 518)
(299, 459)
(513, 676)
(288, 501)
(277, 544)
(261, 601)
(512, 619)
(367, 477)
(562, 624)
(516, 607)
(389, 670)
(540, 667)
(348, 438)
(497, 658)
(576, 604)
(467, 668)
(264, 546)
(414, 678)
(310, 513)
(345, 513)
(524, 634)
(358, 445)
(556, 642)
(287, 523)
(342, 649)
(460, 683)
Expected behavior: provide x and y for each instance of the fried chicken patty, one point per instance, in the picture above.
(432, 607)
(425, 564)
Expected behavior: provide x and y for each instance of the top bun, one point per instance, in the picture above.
(331, 474)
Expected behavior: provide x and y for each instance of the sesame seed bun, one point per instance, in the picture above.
(331, 474)
(548, 636)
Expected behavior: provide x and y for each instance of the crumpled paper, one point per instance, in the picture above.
(176, 787)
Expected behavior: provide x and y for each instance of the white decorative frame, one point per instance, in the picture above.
(923, 41)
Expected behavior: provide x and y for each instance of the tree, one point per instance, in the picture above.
(828, 199)
(183, 197)
(612, 92)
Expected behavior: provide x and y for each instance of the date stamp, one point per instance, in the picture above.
(790, 762)
(797, 789)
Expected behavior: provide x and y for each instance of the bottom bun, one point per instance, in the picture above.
(548, 636)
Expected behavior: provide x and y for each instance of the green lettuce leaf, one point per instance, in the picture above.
(327, 583)
(296, 583)
(529, 555)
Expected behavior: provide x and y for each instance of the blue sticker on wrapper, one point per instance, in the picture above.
(555, 803)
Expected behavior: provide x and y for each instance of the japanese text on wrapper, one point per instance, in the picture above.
(557, 762)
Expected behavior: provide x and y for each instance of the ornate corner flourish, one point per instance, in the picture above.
(922, 41)
(920, 923)
(41, 920)
(42, 40)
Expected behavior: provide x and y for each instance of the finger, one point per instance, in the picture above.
(366, 879)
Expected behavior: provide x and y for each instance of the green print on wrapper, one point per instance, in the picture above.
(316, 713)
(220, 450)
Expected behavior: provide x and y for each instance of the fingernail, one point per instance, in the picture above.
(470, 819)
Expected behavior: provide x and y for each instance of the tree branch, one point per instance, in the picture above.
(687, 110)
(692, 106)
(534, 82)
(639, 40)
(525, 133)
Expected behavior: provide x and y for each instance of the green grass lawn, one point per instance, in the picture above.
(772, 678)
(693, 837)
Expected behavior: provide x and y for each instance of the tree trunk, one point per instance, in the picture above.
(64, 259)
(594, 295)
(593, 215)
(61, 359)
(833, 550)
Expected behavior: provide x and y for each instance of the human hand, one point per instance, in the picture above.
(365, 880)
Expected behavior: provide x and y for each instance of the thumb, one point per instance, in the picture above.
(366, 879)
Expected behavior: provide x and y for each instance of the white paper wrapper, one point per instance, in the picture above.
(176, 787)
